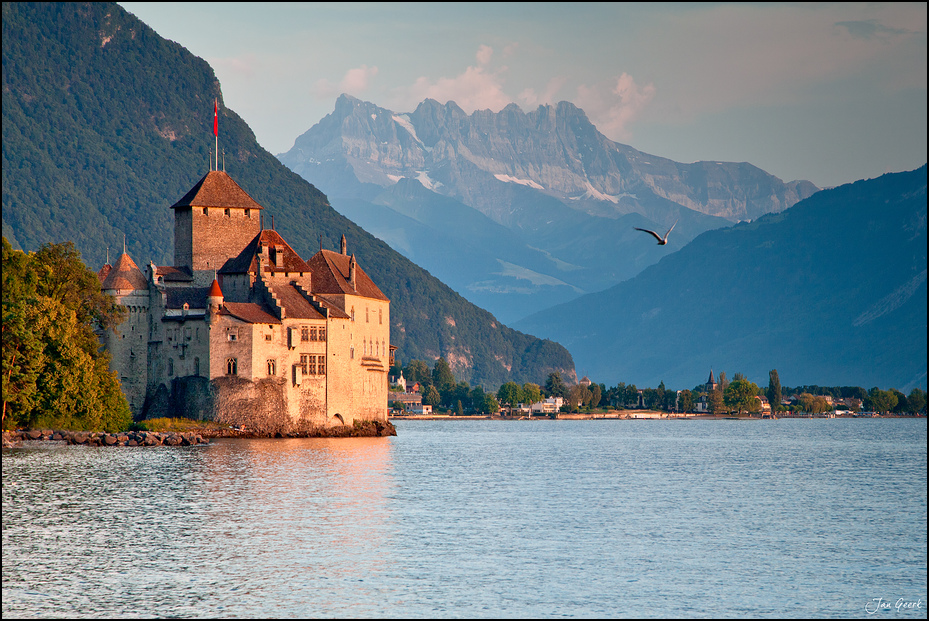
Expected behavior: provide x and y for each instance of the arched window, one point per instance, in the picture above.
(170, 367)
(272, 368)
(380, 315)
(232, 366)
(353, 313)
(196, 366)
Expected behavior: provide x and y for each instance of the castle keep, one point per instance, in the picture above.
(244, 331)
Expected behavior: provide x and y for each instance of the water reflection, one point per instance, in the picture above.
(222, 529)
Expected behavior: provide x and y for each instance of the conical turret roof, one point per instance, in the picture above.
(124, 275)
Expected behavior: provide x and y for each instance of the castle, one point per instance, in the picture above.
(242, 330)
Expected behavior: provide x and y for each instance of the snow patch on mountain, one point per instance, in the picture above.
(529, 182)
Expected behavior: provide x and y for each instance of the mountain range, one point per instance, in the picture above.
(830, 292)
(520, 211)
(106, 124)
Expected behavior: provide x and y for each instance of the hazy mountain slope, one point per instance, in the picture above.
(106, 124)
(829, 292)
(548, 176)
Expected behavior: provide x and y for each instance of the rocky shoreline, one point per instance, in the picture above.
(203, 435)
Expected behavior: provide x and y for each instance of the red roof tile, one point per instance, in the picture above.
(248, 312)
(217, 189)
(331, 275)
(125, 275)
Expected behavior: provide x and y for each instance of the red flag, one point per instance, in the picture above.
(215, 119)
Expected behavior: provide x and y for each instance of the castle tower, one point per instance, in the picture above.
(711, 383)
(214, 221)
(128, 342)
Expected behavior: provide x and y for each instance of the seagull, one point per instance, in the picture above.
(661, 240)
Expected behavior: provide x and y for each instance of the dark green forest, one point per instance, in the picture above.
(106, 124)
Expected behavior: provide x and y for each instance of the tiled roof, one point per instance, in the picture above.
(217, 189)
(171, 273)
(104, 271)
(295, 305)
(194, 297)
(331, 275)
(124, 275)
(248, 312)
(247, 261)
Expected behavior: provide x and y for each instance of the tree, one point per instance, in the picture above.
(432, 397)
(532, 393)
(442, 376)
(774, 390)
(418, 372)
(54, 373)
(685, 401)
(577, 396)
(596, 394)
(723, 382)
(631, 396)
(881, 400)
(510, 394)
(715, 401)
(916, 401)
(740, 395)
(555, 386)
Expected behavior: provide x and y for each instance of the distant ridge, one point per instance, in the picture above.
(830, 292)
(516, 210)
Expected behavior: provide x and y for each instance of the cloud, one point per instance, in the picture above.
(476, 88)
(355, 82)
(868, 29)
(530, 98)
(613, 110)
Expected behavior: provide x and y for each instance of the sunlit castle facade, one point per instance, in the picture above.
(244, 331)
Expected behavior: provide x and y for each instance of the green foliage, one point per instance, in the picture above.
(54, 374)
(510, 394)
(740, 394)
(106, 124)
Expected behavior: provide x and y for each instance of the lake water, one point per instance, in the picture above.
(671, 518)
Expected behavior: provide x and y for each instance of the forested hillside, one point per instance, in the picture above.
(106, 124)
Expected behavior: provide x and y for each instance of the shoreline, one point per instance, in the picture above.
(639, 415)
(189, 437)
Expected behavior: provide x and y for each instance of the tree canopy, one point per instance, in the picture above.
(54, 374)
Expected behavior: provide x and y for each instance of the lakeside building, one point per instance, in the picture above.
(244, 331)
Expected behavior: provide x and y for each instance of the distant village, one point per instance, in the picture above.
(414, 392)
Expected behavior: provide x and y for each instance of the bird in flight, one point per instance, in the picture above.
(661, 240)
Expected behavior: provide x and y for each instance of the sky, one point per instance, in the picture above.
(830, 93)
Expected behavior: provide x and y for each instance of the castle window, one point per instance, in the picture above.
(206, 211)
(187, 334)
(380, 315)
(231, 335)
(170, 367)
(320, 365)
(304, 363)
(268, 337)
(232, 366)
(367, 318)
(311, 365)
(353, 313)
(313, 334)
(322, 333)
(272, 368)
(352, 352)
(248, 213)
(196, 366)
(304, 333)
(226, 212)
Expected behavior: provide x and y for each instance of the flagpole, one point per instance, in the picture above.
(216, 130)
